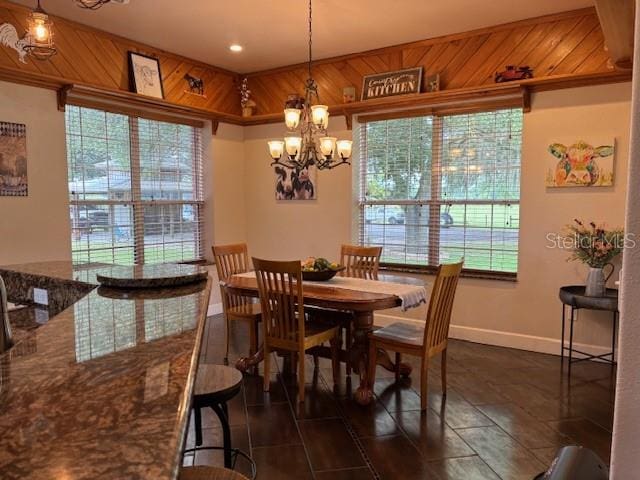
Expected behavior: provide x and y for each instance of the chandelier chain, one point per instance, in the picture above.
(311, 146)
(310, 37)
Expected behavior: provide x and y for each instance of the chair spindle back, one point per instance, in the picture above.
(280, 287)
(361, 262)
(439, 313)
(231, 259)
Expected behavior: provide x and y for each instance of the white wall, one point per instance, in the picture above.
(288, 230)
(225, 196)
(529, 309)
(36, 227)
(525, 314)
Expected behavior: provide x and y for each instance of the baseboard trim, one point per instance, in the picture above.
(214, 309)
(499, 338)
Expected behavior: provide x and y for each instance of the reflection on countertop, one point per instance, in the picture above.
(101, 389)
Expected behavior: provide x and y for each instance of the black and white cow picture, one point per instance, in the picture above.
(295, 184)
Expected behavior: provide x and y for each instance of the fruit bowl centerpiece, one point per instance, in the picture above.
(319, 269)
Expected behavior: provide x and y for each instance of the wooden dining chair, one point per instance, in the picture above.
(360, 262)
(232, 259)
(283, 321)
(418, 340)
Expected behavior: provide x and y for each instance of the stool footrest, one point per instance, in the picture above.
(235, 452)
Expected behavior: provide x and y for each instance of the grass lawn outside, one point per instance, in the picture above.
(123, 254)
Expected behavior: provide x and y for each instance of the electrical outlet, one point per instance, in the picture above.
(42, 316)
(40, 296)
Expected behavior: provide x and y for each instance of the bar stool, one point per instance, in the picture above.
(215, 386)
(209, 473)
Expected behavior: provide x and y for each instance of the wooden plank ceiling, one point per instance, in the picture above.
(564, 46)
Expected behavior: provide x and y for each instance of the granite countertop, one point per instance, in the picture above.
(102, 389)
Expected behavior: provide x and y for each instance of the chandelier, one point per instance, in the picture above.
(96, 4)
(39, 38)
(307, 142)
(91, 4)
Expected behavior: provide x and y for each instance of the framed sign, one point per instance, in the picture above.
(389, 84)
(13, 160)
(144, 75)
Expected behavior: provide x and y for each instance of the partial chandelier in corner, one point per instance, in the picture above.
(307, 142)
(38, 42)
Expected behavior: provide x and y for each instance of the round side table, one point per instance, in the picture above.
(574, 297)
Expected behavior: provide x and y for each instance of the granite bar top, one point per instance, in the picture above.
(102, 389)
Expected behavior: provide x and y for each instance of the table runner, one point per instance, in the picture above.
(410, 295)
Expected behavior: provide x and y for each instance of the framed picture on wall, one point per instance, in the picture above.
(145, 76)
(295, 184)
(13, 160)
(580, 163)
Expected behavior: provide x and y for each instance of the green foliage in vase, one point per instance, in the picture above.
(593, 245)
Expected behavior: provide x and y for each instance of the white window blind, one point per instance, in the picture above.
(135, 188)
(434, 189)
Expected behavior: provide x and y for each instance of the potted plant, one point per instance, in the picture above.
(245, 98)
(596, 247)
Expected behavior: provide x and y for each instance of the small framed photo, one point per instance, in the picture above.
(433, 83)
(144, 75)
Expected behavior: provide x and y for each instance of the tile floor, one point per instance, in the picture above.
(506, 414)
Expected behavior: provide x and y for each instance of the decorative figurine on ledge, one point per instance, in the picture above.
(247, 104)
(513, 73)
(9, 38)
(196, 85)
(294, 101)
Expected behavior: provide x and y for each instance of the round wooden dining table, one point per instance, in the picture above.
(360, 304)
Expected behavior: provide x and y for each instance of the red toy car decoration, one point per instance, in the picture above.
(513, 73)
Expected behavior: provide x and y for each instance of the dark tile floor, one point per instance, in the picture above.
(505, 415)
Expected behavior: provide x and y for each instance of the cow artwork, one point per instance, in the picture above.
(580, 165)
(295, 184)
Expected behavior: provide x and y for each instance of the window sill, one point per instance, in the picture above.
(466, 273)
(202, 262)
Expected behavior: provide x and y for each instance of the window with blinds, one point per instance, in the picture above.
(135, 189)
(434, 189)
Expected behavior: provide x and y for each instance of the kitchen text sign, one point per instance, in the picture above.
(389, 84)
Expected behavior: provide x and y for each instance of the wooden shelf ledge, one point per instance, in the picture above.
(500, 95)
(454, 100)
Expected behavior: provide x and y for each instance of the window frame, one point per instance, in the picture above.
(434, 203)
(134, 198)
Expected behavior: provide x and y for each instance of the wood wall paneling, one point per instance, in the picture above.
(560, 45)
(98, 59)
(565, 49)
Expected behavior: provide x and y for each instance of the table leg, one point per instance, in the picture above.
(564, 310)
(571, 338)
(245, 363)
(613, 339)
(384, 360)
(362, 326)
(359, 356)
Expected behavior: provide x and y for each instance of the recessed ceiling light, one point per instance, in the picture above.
(235, 47)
